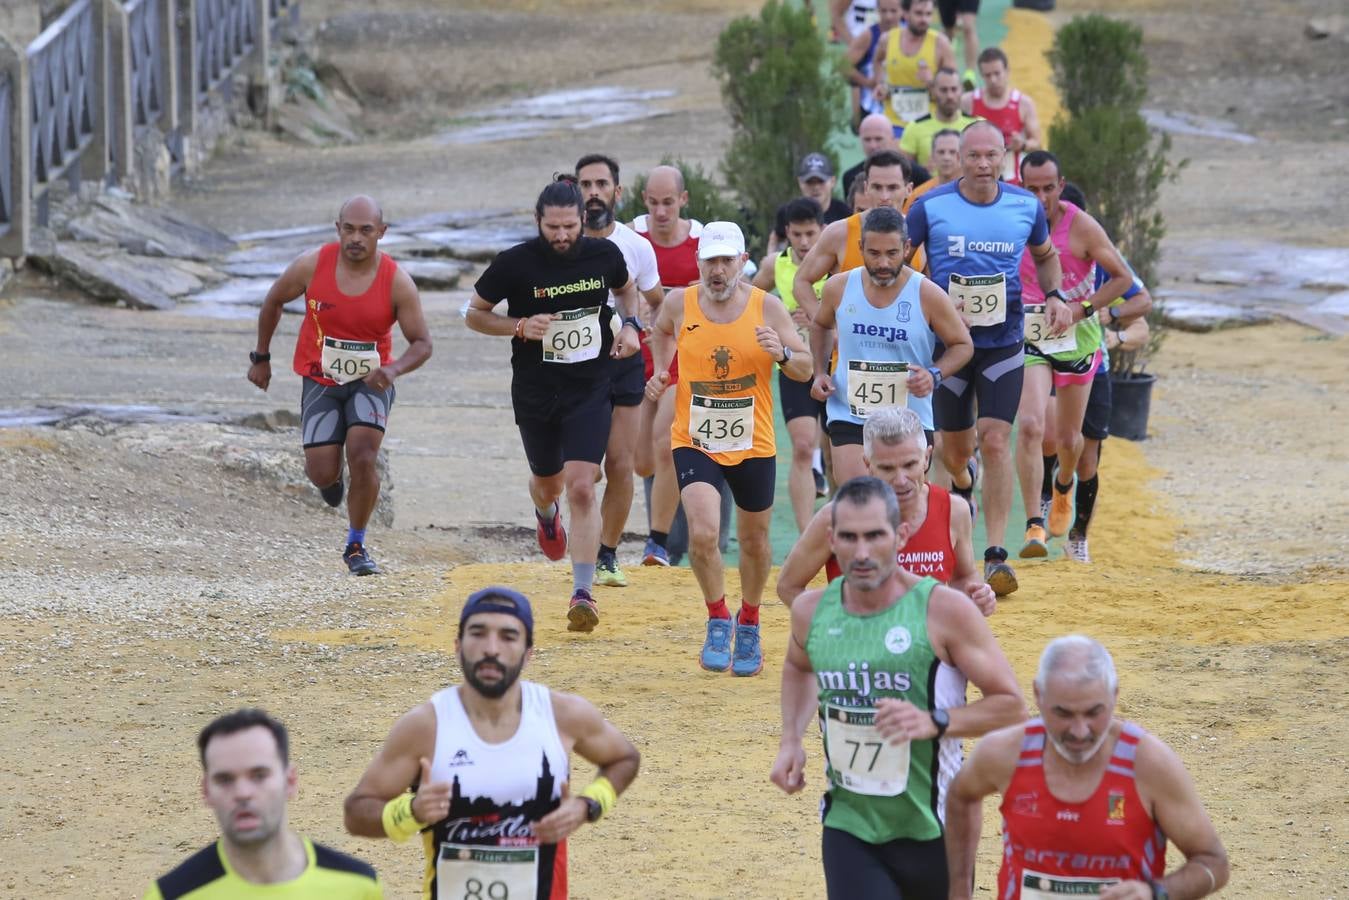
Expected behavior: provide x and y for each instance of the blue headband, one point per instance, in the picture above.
(497, 599)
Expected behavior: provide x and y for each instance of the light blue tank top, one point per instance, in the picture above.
(867, 335)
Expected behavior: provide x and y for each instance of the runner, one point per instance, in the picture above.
(940, 542)
(488, 764)
(975, 230)
(1012, 111)
(873, 135)
(729, 336)
(246, 779)
(597, 177)
(343, 354)
(800, 410)
(1065, 366)
(882, 657)
(556, 288)
(885, 320)
(945, 165)
(1088, 801)
(849, 18)
(861, 72)
(916, 143)
(962, 15)
(908, 59)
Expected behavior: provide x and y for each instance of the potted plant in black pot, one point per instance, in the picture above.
(1131, 347)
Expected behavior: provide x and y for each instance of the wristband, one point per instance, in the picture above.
(520, 329)
(602, 792)
(399, 822)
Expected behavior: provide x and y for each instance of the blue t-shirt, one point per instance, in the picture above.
(973, 239)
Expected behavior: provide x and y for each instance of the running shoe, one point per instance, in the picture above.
(1076, 547)
(358, 560)
(552, 536)
(716, 655)
(1036, 545)
(748, 651)
(582, 614)
(655, 554)
(821, 486)
(332, 494)
(608, 573)
(1060, 513)
(1000, 577)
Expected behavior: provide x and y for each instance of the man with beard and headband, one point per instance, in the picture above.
(885, 319)
(563, 343)
(353, 294)
(729, 336)
(246, 779)
(1089, 801)
(881, 658)
(481, 769)
(597, 177)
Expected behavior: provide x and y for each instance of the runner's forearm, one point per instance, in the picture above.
(821, 343)
(987, 714)
(485, 321)
(417, 353)
(798, 701)
(1201, 875)
(963, 822)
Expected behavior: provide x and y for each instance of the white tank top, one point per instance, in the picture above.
(499, 790)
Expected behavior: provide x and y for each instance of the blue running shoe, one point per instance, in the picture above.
(716, 655)
(655, 554)
(748, 652)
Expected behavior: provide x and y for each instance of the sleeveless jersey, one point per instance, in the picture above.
(331, 314)
(861, 13)
(499, 790)
(784, 272)
(1008, 120)
(879, 792)
(1079, 283)
(902, 71)
(724, 399)
(866, 66)
(928, 552)
(678, 265)
(872, 343)
(978, 244)
(1053, 849)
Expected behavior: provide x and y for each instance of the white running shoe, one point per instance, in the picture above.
(1075, 548)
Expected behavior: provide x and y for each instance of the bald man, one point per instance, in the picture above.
(876, 134)
(343, 355)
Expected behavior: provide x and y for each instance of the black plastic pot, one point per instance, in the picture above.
(1131, 403)
(1041, 5)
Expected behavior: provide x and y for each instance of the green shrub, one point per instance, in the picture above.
(1099, 61)
(780, 86)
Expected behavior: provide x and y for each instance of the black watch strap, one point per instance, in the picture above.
(593, 809)
(255, 357)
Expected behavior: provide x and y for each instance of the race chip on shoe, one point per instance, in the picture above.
(345, 361)
(471, 872)
(860, 760)
(1037, 333)
(876, 385)
(574, 336)
(721, 424)
(982, 299)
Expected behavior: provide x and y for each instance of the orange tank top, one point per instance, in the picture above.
(852, 253)
(724, 399)
(331, 315)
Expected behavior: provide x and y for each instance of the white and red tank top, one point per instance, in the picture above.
(329, 313)
(1008, 120)
(499, 790)
(928, 551)
(1052, 848)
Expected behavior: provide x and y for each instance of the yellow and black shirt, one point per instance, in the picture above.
(330, 875)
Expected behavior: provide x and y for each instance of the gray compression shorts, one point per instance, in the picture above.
(328, 410)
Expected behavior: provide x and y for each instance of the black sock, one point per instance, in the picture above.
(1086, 501)
(608, 551)
(659, 538)
(1033, 521)
(1050, 462)
(995, 553)
(1062, 488)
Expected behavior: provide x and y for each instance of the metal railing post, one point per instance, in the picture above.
(95, 160)
(120, 104)
(188, 64)
(16, 166)
(167, 51)
(260, 69)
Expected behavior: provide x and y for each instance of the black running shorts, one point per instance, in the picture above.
(796, 400)
(562, 419)
(1096, 422)
(751, 481)
(629, 377)
(328, 410)
(993, 377)
(949, 9)
(896, 870)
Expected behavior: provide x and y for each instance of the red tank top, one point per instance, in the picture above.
(1008, 120)
(331, 313)
(1109, 837)
(678, 265)
(928, 550)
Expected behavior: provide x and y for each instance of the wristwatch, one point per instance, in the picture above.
(593, 809)
(1087, 309)
(255, 357)
(1055, 293)
(1113, 313)
(942, 720)
(786, 356)
(636, 325)
(936, 376)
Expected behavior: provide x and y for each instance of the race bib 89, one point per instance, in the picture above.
(470, 872)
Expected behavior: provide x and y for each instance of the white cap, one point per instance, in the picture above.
(720, 239)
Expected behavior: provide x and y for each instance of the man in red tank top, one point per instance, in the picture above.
(940, 543)
(1012, 111)
(1088, 801)
(343, 355)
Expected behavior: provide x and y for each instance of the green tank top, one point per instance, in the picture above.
(784, 271)
(877, 792)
